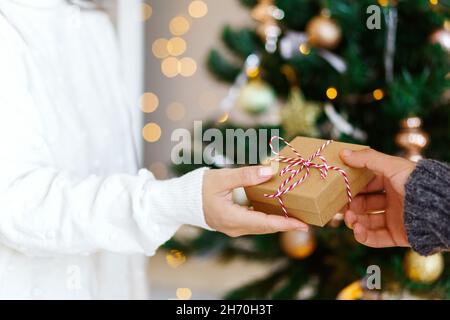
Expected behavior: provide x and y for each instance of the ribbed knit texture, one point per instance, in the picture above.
(427, 207)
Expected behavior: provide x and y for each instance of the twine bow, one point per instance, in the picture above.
(296, 165)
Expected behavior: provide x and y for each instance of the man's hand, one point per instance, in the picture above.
(377, 216)
(223, 215)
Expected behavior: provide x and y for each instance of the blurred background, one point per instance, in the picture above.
(182, 99)
(372, 72)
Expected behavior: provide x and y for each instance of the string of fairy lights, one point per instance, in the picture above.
(171, 53)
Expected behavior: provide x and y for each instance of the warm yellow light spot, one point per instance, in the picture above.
(170, 67)
(149, 102)
(159, 169)
(434, 2)
(352, 292)
(332, 93)
(447, 25)
(378, 94)
(198, 9)
(187, 67)
(223, 118)
(146, 12)
(159, 48)
(179, 25)
(151, 132)
(383, 3)
(184, 293)
(175, 258)
(176, 46)
(304, 49)
(176, 111)
(252, 72)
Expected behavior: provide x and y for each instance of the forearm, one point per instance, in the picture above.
(47, 213)
(427, 207)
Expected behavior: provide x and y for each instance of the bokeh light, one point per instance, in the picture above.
(304, 49)
(187, 67)
(176, 111)
(332, 93)
(224, 118)
(175, 258)
(383, 3)
(146, 11)
(179, 25)
(170, 67)
(176, 46)
(149, 102)
(184, 293)
(198, 9)
(160, 48)
(151, 132)
(378, 94)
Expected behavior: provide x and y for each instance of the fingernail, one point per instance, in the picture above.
(265, 172)
(346, 153)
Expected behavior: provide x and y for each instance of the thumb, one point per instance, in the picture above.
(245, 177)
(368, 158)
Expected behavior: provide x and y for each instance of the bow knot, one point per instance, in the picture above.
(297, 164)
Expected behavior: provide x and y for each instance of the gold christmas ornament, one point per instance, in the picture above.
(175, 258)
(412, 138)
(441, 37)
(298, 116)
(256, 97)
(324, 32)
(298, 244)
(423, 269)
(268, 15)
(354, 291)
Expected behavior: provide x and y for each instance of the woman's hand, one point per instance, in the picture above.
(223, 215)
(376, 217)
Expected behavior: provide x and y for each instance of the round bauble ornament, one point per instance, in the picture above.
(412, 139)
(423, 269)
(298, 244)
(441, 37)
(256, 97)
(324, 32)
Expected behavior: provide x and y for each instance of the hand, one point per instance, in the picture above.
(377, 216)
(223, 215)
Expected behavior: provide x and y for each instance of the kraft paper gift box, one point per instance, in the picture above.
(316, 200)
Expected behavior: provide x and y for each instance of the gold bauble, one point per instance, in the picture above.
(412, 138)
(261, 12)
(441, 37)
(423, 269)
(324, 32)
(256, 97)
(354, 291)
(298, 244)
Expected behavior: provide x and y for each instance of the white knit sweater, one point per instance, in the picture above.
(76, 217)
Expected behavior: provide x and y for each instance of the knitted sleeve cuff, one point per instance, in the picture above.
(427, 207)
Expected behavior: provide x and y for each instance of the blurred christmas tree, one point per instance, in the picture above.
(369, 72)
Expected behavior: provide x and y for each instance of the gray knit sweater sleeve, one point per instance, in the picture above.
(427, 207)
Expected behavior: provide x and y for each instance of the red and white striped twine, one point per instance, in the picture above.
(302, 164)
